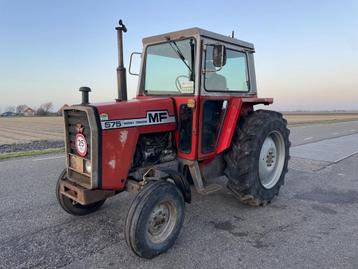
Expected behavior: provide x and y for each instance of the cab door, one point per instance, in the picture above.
(222, 81)
(212, 115)
(187, 126)
(213, 104)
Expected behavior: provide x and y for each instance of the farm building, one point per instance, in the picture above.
(28, 112)
(60, 111)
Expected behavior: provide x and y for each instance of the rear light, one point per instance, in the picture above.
(80, 165)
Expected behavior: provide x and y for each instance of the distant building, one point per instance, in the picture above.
(29, 112)
(60, 111)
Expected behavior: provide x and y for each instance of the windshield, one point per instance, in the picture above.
(169, 68)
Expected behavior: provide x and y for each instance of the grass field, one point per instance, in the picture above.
(27, 129)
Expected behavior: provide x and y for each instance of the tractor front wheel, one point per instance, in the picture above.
(71, 206)
(154, 219)
(258, 158)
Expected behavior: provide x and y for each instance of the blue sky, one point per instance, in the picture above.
(306, 51)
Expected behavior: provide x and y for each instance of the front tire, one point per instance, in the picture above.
(258, 158)
(154, 219)
(71, 206)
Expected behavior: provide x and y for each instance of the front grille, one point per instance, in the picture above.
(75, 117)
(76, 169)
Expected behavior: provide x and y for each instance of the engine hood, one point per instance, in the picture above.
(137, 108)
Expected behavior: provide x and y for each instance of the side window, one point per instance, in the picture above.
(233, 76)
(213, 111)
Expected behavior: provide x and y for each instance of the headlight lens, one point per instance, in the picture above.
(88, 167)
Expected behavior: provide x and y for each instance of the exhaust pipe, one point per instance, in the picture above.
(85, 97)
(121, 71)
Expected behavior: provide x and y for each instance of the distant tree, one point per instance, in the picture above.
(46, 107)
(40, 112)
(20, 109)
(10, 109)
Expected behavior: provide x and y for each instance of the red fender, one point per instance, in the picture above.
(232, 116)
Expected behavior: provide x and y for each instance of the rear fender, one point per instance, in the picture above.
(238, 107)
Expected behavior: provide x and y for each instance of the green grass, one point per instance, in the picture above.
(8, 155)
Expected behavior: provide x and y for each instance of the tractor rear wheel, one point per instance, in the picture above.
(258, 158)
(71, 206)
(154, 219)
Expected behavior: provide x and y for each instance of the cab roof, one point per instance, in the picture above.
(196, 32)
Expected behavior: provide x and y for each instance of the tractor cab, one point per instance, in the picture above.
(197, 62)
(202, 72)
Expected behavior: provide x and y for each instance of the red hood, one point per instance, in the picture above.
(134, 108)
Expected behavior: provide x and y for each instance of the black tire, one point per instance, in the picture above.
(242, 158)
(68, 204)
(138, 229)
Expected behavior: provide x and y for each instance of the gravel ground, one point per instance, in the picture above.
(312, 224)
(35, 145)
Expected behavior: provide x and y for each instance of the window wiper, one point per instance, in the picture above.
(179, 53)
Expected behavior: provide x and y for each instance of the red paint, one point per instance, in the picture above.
(180, 100)
(135, 108)
(117, 152)
(211, 155)
(238, 107)
(229, 125)
(255, 101)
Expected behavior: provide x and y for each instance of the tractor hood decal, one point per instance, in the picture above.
(152, 118)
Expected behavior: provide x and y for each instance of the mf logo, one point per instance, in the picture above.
(158, 116)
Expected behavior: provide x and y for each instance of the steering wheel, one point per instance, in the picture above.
(177, 82)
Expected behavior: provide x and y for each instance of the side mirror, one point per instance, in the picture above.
(137, 63)
(219, 55)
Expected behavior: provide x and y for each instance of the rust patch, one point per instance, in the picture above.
(82, 195)
(123, 135)
(112, 164)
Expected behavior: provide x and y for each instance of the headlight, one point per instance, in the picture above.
(88, 167)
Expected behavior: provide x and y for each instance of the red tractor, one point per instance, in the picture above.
(192, 120)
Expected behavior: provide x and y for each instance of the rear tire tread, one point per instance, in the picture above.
(242, 157)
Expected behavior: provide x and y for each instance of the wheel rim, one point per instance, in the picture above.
(272, 159)
(162, 221)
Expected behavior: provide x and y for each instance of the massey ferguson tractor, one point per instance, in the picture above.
(192, 121)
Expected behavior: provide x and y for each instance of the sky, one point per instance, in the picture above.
(306, 51)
